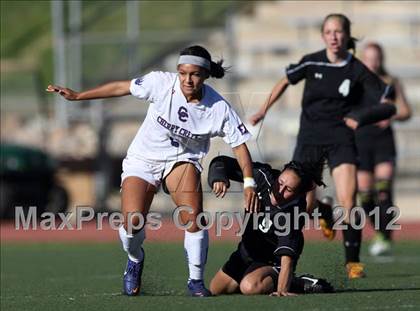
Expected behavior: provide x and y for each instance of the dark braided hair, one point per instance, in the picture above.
(310, 174)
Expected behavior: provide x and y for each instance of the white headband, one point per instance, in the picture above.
(194, 60)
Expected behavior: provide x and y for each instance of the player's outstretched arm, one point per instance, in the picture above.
(275, 94)
(111, 89)
(285, 277)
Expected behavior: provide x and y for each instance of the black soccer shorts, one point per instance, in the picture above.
(237, 267)
(377, 150)
(335, 154)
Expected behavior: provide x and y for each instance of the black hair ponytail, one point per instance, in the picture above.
(310, 173)
(351, 44)
(216, 69)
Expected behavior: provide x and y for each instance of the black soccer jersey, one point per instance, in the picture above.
(266, 237)
(331, 92)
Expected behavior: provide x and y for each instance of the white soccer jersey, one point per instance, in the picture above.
(175, 130)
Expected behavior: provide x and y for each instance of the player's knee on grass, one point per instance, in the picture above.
(250, 286)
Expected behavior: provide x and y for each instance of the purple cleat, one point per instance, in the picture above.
(196, 288)
(132, 278)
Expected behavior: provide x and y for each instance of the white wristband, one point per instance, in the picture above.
(249, 182)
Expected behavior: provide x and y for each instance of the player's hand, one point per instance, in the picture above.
(383, 124)
(252, 204)
(282, 294)
(65, 92)
(256, 118)
(351, 123)
(219, 189)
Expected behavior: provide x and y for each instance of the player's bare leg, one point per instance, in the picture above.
(184, 184)
(344, 177)
(259, 281)
(136, 198)
(223, 284)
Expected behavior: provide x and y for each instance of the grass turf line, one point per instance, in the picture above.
(88, 277)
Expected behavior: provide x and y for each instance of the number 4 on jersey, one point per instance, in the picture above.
(344, 88)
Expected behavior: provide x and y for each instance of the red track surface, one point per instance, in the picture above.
(167, 232)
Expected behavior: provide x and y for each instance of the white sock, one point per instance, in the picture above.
(196, 245)
(132, 243)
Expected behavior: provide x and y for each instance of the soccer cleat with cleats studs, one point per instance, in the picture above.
(196, 288)
(308, 284)
(132, 278)
(355, 270)
(380, 246)
(327, 231)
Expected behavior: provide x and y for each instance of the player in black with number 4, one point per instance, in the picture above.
(267, 255)
(335, 83)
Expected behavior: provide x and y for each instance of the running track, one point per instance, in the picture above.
(167, 232)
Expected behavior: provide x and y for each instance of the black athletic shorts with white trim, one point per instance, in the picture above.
(335, 154)
(237, 267)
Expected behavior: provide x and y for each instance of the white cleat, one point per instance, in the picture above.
(380, 246)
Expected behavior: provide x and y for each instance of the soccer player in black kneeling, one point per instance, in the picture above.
(266, 258)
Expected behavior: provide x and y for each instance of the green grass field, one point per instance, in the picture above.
(88, 277)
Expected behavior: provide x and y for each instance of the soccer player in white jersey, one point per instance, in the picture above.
(184, 113)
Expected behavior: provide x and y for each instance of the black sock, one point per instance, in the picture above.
(366, 201)
(352, 239)
(325, 212)
(385, 202)
(384, 220)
